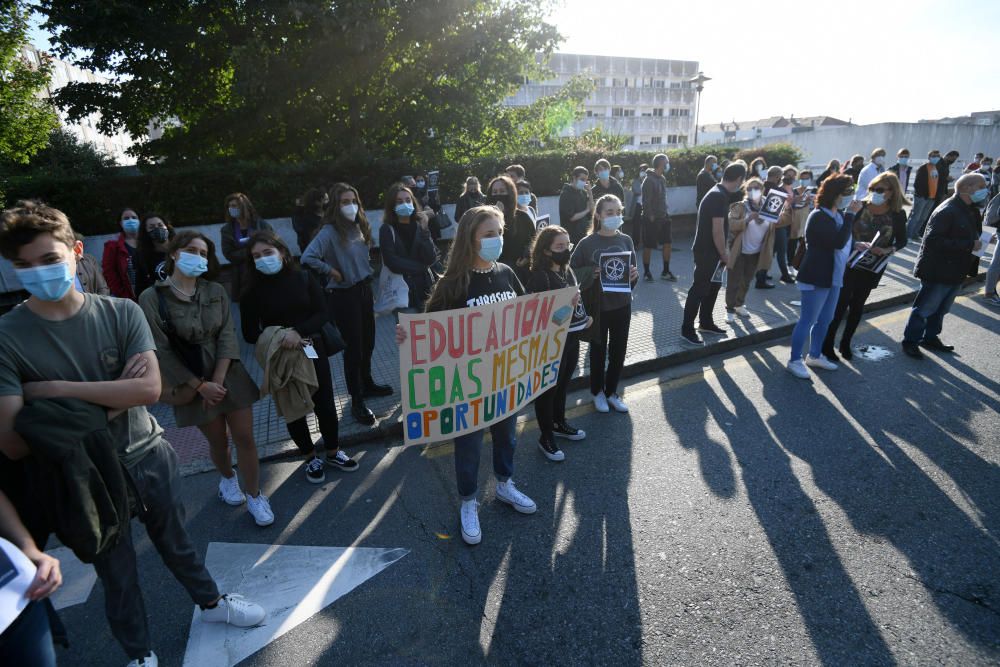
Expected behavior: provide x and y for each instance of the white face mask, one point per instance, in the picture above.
(880, 160)
(755, 194)
(349, 211)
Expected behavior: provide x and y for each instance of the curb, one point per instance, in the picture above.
(394, 430)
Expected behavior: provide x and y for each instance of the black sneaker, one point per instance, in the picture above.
(712, 329)
(788, 279)
(362, 413)
(549, 447)
(669, 277)
(314, 471)
(568, 431)
(373, 390)
(341, 461)
(691, 339)
(763, 285)
(648, 277)
(936, 344)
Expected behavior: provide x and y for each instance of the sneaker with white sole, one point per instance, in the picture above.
(730, 318)
(547, 443)
(742, 311)
(616, 402)
(341, 461)
(314, 471)
(566, 430)
(601, 402)
(230, 492)
(798, 369)
(149, 661)
(469, 515)
(260, 509)
(235, 610)
(508, 493)
(821, 362)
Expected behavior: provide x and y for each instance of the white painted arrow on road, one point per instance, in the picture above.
(291, 582)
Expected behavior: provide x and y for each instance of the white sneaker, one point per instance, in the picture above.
(235, 610)
(149, 661)
(470, 522)
(601, 402)
(742, 311)
(260, 510)
(821, 362)
(230, 492)
(730, 318)
(798, 369)
(617, 403)
(508, 493)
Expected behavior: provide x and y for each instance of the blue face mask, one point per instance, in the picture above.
(524, 200)
(269, 264)
(47, 283)
(666, 168)
(935, 160)
(878, 198)
(979, 196)
(612, 222)
(405, 209)
(130, 225)
(490, 248)
(845, 202)
(192, 265)
(604, 174)
(580, 184)
(903, 161)
(234, 211)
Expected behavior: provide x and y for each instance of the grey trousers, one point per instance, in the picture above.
(160, 507)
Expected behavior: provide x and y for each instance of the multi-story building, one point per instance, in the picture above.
(86, 128)
(765, 128)
(648, 101)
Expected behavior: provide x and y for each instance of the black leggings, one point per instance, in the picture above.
(852, 302)
(325, 410)
(611, 344)
(550, 407)
(353, 309)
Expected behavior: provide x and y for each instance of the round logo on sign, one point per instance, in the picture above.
(615, 269)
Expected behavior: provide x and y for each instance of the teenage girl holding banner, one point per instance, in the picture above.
(474, 277)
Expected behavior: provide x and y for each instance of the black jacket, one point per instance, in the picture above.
(75, 474)
(946, 251)
(413, 263)
(614, 188)
(823, 240)
(920, 183)
(466, 201)
(571, 202)
(703, 184)
(903, 174)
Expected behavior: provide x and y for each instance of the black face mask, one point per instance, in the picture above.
(159, 235)
(496, 199)
(561, 258)
(787, 180)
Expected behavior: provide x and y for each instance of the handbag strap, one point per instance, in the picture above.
(168, 325)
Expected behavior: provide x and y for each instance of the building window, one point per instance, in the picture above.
(656, 140)
(599, 82)
(675, 84)
(659, 83)
(680, 113)
(621, 112)
(682, 138)
(590, 113)
(630, 141)
(619, 83)
(671, 138)
(658, 113)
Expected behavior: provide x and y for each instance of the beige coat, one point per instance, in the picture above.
(289, 375)
(738, 213)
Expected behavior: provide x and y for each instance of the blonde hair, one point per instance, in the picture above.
(897, 200)
(451, 290)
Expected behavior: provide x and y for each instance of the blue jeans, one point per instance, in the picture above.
(919, 214)
(817, 313)
(929, 308)
(467, 456)
(993, 275)
(28, 640)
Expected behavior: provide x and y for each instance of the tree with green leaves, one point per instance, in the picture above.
(26, 119)
(311, 79)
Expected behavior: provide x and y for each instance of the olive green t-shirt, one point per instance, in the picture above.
(91, 346)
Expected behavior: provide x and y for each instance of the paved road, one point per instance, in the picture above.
(738, 515)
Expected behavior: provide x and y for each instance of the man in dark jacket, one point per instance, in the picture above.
(606, 184)
(576, 205)
(656, 226)
(902, 168)
(61, 344)
(944, 170)
(943, 262)
(706, 178)
(926, 185)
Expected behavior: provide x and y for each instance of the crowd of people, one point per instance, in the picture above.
(167, 331)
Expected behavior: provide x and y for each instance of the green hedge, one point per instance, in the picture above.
(193, 194)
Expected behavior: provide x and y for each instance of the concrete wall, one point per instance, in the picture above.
(682, 201)
(841, 143)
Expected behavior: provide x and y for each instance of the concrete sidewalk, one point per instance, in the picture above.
(654, 343)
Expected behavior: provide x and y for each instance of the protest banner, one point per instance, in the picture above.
(432, 181)
(462, 370)
(774, 200)
(542, 221)
(615, 268)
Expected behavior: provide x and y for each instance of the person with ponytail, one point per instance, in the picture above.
(550, 256)
(241, 221)
(612, 311)
(339, 255)
(473, 278)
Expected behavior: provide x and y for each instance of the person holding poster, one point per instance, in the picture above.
(751, 242)
(474, 277)
(612, 311)
(550, 257)
(882, 222)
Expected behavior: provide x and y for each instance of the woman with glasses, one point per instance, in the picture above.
(882, 223)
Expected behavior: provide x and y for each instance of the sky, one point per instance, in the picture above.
(860, 60)
(865, 61)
